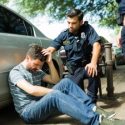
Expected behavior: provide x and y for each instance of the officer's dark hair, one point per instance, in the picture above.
(35, 52)
(75, 12)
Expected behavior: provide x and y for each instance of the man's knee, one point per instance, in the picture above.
(55, 94)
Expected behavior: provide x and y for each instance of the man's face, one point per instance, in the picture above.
(74, 24)
(34, 64)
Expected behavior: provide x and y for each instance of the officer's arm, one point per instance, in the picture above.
(92, 66)
(95, 53)
(51, 49)
(56, 43)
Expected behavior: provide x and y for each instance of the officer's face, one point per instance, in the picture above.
(74, 24)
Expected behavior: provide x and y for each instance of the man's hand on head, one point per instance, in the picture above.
(48, 54)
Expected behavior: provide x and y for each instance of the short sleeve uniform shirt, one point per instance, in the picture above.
(78, 46)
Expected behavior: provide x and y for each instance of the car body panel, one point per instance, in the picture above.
(13, 47)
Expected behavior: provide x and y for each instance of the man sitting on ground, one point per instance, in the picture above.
(36, 103)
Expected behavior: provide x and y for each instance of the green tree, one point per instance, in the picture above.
(4, 1)
(104, 10)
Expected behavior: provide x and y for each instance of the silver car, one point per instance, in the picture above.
(16, 33)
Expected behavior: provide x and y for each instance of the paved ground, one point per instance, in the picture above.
(118, 104)
(9, 117)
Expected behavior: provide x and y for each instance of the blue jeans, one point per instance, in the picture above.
(67, 98)
(79, 75)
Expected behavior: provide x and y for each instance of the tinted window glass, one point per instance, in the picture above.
(3, 22)
(11, 23)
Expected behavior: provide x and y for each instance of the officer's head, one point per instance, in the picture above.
(74, 19)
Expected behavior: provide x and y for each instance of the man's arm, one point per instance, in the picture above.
(33, 89)
(92, 66)
(36, 90)
(53, 77)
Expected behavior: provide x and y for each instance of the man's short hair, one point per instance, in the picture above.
(75, 12)
(35, 52)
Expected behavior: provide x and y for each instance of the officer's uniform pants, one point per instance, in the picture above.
(79, 75)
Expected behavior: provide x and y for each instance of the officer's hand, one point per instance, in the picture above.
(49, 49)
(91, 69)
(48, 54)
(44, 51)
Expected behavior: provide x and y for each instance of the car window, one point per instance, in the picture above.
(11, 23)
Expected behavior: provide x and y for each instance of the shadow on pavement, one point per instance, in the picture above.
(114, 102)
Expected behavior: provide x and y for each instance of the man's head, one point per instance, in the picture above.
(34, 58)
(75, 20)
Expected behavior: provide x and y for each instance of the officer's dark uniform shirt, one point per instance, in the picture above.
(123, 40)
(78, 47)
(121, 8)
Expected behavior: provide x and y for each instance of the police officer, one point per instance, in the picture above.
(121, 21)
(81, 43)
(121, 6)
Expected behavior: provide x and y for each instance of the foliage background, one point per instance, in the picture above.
(105, 11)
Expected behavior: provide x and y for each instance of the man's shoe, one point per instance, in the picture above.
(106, 121)
(107, 115)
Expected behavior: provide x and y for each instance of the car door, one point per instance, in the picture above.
(15, 36)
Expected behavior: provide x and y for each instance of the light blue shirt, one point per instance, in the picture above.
(20, 97)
